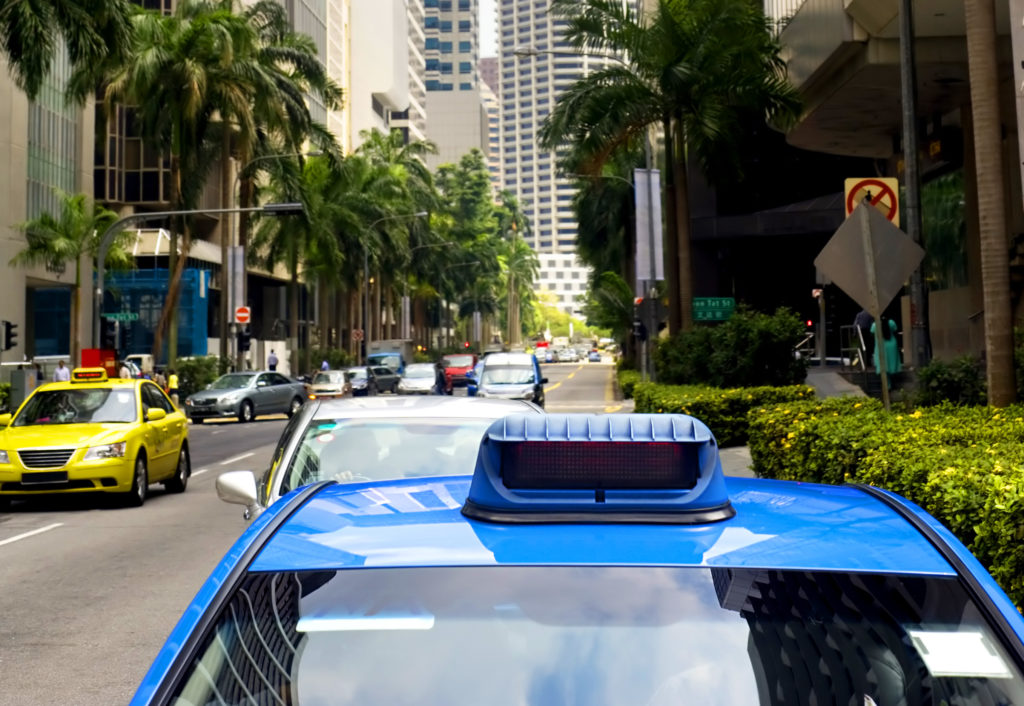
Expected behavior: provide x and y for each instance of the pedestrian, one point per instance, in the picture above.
(172, 386)
(440, 380)
(272, 360)
(160, 380)
(125, 373)
(892, 349)
(61, 374)
(39, 374)
(864, 321)
(325, 365)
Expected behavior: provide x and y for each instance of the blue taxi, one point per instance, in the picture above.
(594, 560)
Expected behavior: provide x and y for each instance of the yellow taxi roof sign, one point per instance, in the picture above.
(89, 375)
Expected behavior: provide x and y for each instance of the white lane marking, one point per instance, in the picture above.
(219, 431)
(237, 458)
(33, 532)
(200, 472)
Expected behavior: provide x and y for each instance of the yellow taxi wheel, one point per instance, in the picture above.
(140, 483)
(179, 481)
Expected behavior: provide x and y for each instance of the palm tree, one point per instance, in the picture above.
(995, 267)
(692, 68)
(93, 31)
(55, 241)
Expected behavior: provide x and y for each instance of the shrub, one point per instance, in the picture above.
(195, 374)
(751, 349)
(960, 381)
(964, 465)
(723, 410)
(627, 380)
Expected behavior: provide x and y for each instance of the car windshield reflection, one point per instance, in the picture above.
(232, 381)
(510, 375)
(91, 406)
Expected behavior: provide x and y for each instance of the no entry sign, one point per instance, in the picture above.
(242, 315)
(880, 192)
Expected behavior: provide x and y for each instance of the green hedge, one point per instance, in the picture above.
(964, 465)
(723, 410)
(627, 380)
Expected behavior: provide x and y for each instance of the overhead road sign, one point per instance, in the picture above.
(880, 192)
(713, 308)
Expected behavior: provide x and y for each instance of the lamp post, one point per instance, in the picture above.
(366, 275)
(229, 283)
(108, 237)
(527, 51)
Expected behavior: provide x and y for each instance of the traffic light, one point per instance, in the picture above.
(108, 334)
(639, 330)
(10, 335)
(466, 344)
(244, 339)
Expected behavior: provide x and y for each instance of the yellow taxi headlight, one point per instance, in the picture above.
(4, 458)
(106, 451)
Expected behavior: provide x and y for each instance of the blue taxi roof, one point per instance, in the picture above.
(778, 524)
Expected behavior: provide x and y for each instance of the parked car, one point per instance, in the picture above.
(512, 376)
(627, 569)
(247, 395)
(358, 440)
(330, 383)
(94, 434)
(456, 367)
(419, 379)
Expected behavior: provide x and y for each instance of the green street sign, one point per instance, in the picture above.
(122, 316)
(713, 308)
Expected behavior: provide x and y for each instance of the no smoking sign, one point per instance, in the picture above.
(880, 192)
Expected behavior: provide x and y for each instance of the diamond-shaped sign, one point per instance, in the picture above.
(874, 282)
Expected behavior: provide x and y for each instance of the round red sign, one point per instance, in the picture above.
(242, 315)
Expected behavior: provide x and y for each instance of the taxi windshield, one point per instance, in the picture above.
(507, 375)
(336, 377)
(94, 405)
(357, 450)
(234, 381)
(601, 636)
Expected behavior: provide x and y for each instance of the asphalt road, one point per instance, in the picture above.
(90, 591)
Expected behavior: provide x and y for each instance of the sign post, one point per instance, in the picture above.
(869, 258)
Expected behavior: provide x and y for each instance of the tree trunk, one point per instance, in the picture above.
(671, 254)
(682, 209)
(979, 16)
(74, 349)
(293, 317)
(167, 324)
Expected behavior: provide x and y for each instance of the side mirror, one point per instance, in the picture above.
(5, 420)
(543, 381)
(238, 488)
(155, 414)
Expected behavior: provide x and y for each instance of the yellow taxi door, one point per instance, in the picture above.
(158, 433)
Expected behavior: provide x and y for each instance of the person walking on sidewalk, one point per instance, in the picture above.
(272, 360)
(172, 386)
(892, 349)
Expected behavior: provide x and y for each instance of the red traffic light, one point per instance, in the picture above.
(466, 344)
(809, 323)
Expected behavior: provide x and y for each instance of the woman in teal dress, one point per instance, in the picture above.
(892, 348)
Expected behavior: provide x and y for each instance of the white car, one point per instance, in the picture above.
(418, 379)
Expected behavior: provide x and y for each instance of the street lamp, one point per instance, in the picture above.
(529, 50)
(228, 299)
(277, 209)
(366, 275)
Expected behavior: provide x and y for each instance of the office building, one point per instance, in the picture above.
(412, 121)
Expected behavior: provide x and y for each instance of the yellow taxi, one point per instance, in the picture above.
(94, 434)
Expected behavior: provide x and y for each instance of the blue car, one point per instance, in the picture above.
(594, 559)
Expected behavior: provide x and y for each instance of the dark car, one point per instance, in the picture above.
(362, 381)
(246, 396)
(456, 369)
(594, 559)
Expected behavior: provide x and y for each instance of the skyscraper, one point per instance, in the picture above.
(536, 64)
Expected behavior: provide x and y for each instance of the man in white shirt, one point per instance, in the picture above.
(61, 374)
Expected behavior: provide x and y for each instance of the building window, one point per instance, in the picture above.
(465, 86)
(432, 22)
(465, 47)
(446, 47)
(433, 43)
(463, 5)
(446, 26)
(446, 67)
(446, 86)
(576, 274)
(446, 5)
(433, 65)
(433, 85)
(465, 26)
(465, 67)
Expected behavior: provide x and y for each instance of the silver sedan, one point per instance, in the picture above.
(246, 396)
(368, 439)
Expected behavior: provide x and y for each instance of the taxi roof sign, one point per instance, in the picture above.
(89, 375)
(614, 468)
